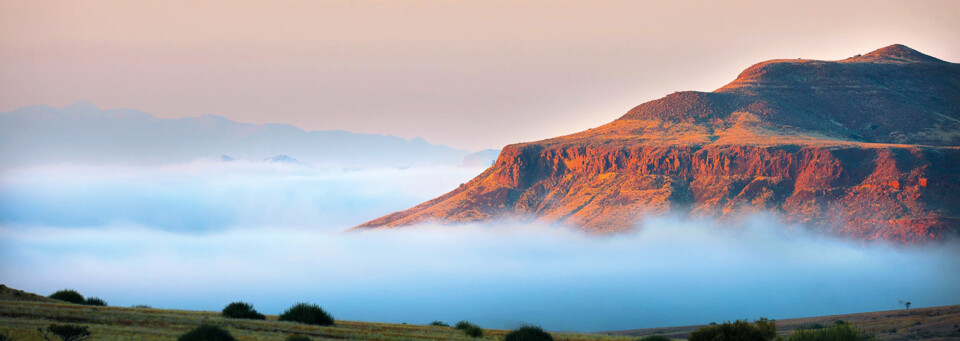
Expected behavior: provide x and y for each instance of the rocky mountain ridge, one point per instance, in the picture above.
(867, 148)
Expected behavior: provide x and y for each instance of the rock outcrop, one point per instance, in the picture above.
(867, 148)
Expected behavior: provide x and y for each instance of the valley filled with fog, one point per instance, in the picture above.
(201, 234)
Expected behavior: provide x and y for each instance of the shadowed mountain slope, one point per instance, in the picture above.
(867, 147)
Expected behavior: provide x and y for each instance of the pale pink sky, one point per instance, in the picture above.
(470, 74)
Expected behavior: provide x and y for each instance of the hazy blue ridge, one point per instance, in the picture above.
(82, 133)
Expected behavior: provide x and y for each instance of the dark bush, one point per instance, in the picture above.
(297, 338)
(760, 330)
(837, 332)
(207, 332)
(473, 331)
(307, 313)
(439, 324)
(654, 338)
(464, 325)
(141, 306)
(68, 295)
(242, 310)
(67, 332)
(528, 333)
(95, 301)
(4, 337)
(470, 329)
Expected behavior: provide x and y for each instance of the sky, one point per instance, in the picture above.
(468, 74)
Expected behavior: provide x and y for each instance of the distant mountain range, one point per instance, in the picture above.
(866, 147)
(82, 133)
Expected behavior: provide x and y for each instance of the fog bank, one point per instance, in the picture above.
(278, 241)
(209, 195)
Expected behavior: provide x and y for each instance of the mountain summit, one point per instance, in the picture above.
(866, 147)
(895, 53)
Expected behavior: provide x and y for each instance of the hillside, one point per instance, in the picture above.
(11, 294)
(84, 134)
(866, 148)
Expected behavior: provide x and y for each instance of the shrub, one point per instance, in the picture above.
(837, 332)
(297, 338)
(242, 310)
(528, 333)
(470, 329)
(654, 338)
(464, 325)
(66, 332)
(307, 313)
(95, 301)
(4, 337)
(760, 330)
(68, 295)
(439, 324)
(473, 331)
(207, 332)
(141, 306)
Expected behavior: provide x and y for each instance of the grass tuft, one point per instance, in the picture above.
(67, 332)
(761, 330)
(837, 332)
(207, 332)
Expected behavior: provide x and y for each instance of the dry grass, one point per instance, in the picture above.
(934, 323)
(21, 319)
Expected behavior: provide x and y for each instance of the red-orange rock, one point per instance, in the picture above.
(867, 147)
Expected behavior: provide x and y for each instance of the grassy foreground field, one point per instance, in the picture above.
(934, 323)
(22, 313)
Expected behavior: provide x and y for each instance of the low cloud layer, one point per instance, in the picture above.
(210, 195)
(500, 275)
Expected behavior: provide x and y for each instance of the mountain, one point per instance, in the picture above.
(83, 133)
(866, 148)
